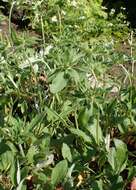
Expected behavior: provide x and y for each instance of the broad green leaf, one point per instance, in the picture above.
(96, 131)
(59, 172)
(121, 154)
(12, 173)
(117, 156)
(81, 134)
(58, 83)
(111, 157)
(66, 153)
(84, 117)
(6, 159)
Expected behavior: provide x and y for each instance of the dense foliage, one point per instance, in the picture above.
(67, 96)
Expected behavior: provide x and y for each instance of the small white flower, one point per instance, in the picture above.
(110, 24)
(54, 19)
(47, 49)
(76, 26)
(123, 8)
(82, 17)
(63, 12)
(74, 3)
(112, 11)
(107, 142)
(114, 90)
(88, 75)
(70, 26)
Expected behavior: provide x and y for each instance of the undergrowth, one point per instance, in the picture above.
(67, 97)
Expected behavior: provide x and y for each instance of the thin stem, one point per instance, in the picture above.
(127, 73)
(43, 35)
(60, 24)
(131, 53)
(21, 150)
(76, 121)
(10, 15)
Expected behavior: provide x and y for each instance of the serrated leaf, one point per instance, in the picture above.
(58, 83)
(59, 172)
(66, 153)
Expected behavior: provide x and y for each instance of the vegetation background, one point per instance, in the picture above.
(67, 95)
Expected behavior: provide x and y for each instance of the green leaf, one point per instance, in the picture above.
(3, 147)
(121, 154)
(74, 74)
(81, 134)
(41, 177)
(59, 172)
(84, 117)
(35, 121)
(6, 160)
(97, 185)
(132, 172)
(66, 153)
(117, 156)
(96, 131)
(111, 157)
(30, 154)
(12, 172)
(20, 186)
(58, 83)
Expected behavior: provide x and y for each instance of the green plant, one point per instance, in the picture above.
(65, 111)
